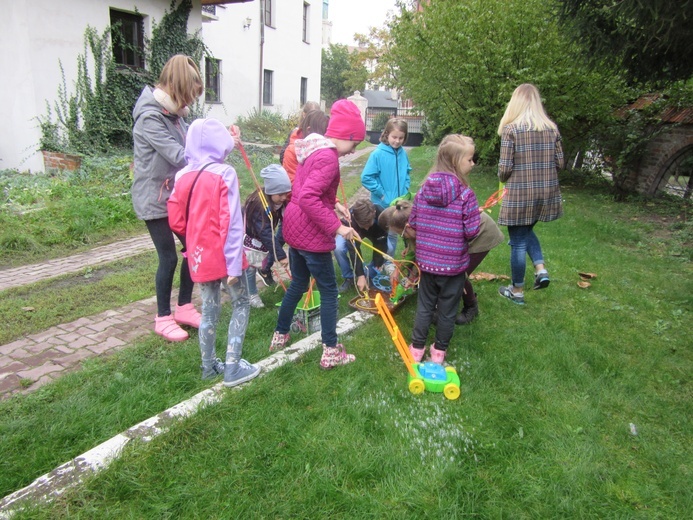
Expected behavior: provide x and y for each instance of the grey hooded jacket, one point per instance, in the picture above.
(159, 152)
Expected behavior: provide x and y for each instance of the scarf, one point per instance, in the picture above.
(165, 101)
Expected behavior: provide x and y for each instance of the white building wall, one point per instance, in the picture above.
(35, 37)
(284, 52)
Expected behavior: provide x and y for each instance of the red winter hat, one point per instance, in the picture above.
(345, 122)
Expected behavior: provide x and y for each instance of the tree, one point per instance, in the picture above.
(340, 74)
(650, 39)
(374, 54)
(460, 62)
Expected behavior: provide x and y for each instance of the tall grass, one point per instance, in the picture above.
(542, 429)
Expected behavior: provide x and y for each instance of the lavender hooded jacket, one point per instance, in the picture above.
(446, 217)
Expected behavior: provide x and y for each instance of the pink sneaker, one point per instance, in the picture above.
(437, 356)
(167, 327)
(335, 356)
(279, 341)
(187, 315)
(417, 353)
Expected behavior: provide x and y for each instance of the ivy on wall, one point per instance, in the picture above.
(96, 117)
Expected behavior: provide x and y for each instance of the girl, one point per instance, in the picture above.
(386, 174)
(205, 207)
(258, 226)
(311, 225)
(313, 122)
(445, 217)
(531, 155)
(296, 132)
(159, 140)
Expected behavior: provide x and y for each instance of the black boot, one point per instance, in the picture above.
(469, 312)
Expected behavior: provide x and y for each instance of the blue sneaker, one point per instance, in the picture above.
(506, 291)
(238, 373)
(213, 371)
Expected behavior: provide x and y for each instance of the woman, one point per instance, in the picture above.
(531, 155)
(159, 152)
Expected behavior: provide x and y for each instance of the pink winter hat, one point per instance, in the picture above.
(345, 122)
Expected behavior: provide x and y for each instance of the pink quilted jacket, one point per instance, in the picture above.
(310, 222)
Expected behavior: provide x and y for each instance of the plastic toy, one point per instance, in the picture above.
(422, 376)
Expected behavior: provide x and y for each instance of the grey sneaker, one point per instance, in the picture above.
(237, 373)
(256, 301)
(215, 370)
(541, 280)
(507, 292)
(347, 284)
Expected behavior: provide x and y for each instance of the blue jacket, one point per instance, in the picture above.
(386, 174)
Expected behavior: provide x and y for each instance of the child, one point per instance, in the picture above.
(396, 220)
(258, 225)
(445, 217)
(159, 140)
(386, 174)
(311, 224)
(531, 155)
(205, 207)
(363, 216)
(313, 122)
(296, 132)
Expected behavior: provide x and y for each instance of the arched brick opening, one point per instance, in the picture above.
(678, 164)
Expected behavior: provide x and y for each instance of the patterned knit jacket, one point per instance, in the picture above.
(445, 216)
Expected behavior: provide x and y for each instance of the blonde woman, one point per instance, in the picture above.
(159, 152)
(531, 155)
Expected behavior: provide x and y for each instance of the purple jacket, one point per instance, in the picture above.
(310, 222)
(446, 217)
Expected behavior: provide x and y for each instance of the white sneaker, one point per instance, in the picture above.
(256, 301)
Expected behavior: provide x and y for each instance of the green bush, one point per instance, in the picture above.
(265, 127)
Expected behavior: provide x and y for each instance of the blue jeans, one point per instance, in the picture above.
(346, 257)
(305, 264)
(250, 275)
(211, 308)
(523, 241)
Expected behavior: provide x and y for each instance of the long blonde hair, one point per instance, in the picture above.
(525, 107)
(451, 151)
(180, 79)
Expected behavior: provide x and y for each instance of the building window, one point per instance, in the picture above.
(304, 91)
(267, 88)
(269, 13)
(127, 35)
(212, 80)
(325, 9)
(306, 21)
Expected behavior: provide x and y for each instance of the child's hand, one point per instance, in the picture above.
(231, 280)
(361, 283)
(348, 233)
(284, 262)
(342, 211)
(235, 133)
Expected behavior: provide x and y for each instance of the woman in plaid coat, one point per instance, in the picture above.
(531, 155)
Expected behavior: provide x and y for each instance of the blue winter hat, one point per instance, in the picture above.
(276, 180)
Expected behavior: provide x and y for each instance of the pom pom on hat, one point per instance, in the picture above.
(276, 180)
(345, 122)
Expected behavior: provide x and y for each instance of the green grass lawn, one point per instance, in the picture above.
(542, 428)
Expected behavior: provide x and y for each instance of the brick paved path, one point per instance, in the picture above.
(28, 363)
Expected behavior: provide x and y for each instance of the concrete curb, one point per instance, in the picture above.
(72, 473)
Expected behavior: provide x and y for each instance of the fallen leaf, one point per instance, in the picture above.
(583, 284)
(587, 276)
(489, 277)
(28, 309)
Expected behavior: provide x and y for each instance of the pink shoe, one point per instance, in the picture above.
(167, 327)
(437, 356)
(335, 356)
(188, 315)
(417, 353)
(279, 341)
